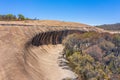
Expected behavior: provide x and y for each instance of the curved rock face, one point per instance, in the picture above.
(52, 37)
(34, 52)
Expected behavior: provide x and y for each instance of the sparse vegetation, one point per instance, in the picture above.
(93, 56)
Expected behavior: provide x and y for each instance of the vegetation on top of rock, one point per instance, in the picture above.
(11, 17)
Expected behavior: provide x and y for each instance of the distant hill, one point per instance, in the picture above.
(113, 27)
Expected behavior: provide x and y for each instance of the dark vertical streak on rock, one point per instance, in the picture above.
(53, 37)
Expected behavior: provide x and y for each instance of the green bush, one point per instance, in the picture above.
(86, 67)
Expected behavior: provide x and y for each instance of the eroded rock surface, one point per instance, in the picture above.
(23, 56)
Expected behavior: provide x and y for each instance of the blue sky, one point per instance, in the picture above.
(91, 12)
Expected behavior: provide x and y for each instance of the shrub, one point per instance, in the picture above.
(93, 56)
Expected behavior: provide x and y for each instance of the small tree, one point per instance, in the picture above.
(21, 17)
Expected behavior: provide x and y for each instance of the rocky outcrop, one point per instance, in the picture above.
(31, 50)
